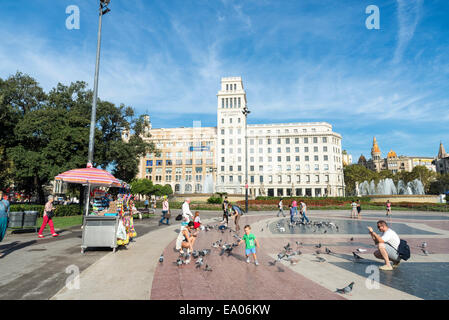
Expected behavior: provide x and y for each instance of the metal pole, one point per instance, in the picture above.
(246, 164)
(90, 157)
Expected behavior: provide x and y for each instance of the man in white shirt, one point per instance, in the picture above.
(387, 244)
(187, 215)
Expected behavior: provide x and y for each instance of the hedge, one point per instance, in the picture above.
(61, 211)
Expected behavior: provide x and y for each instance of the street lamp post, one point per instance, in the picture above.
(90, 158)
(245, 112)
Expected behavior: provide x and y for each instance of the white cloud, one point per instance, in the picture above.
(409, 13)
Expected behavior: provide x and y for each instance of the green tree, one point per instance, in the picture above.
(50, 133)
(440, 185)
(357, 173)
(142, 186)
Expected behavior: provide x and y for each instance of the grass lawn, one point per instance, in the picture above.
(64, 222)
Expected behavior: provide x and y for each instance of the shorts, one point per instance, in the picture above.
(249, 251)
(392, 253)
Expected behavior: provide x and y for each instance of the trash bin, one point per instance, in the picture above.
(30, 219)
(15, 219)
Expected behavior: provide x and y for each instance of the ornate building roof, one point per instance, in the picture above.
(441, 152)
(375, 148)
(392, 154)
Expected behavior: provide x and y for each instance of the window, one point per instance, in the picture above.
(287, 149)
(279, 150)
(231, 179)
(222, 130)
(317, 178)
(306, 158)
(269, 141)
(198, 169)
(289, 179)
(326, 158)
(279, 140)
(315, 158)
(306, 140)
(251, 142)
(251, 168)
(149, 170)
(222, 179)
(296, 149)
(159, 162)
(149, 163)
(261, 179)
(260, 150)
(315, 149)
(324, 139)
(306, 149)
(252, 179)
(287, 141)
(296, 140)
(260, 168)
(289, 167)
(270, 179)
(178, 162)
(189, 162)
(326, 178)
(317, 167)
(307, 178)
(297, 158)
(298, 178)
(297, 167)
(240, 179)
(315, 139)
(189, 170)
(288, 158)
(251, 150)
(230, 168)
(279, 159)
(324, 149)
(279, 179)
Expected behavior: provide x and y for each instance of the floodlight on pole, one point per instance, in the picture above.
(246, 112)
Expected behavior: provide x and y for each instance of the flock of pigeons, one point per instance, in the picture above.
(200, 255)
(288, 253)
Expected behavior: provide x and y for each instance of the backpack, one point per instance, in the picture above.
(404, 250)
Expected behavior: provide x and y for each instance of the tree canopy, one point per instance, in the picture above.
(48, 133)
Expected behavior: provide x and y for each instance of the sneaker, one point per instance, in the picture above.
(40, 236)
(256, 263)
(55, 235)
(247, 260)
(395, 265)
(386, 267)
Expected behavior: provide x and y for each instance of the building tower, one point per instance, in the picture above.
(230, 149)
(441, 152)
(375, 151)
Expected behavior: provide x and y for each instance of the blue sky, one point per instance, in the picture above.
(300, 61)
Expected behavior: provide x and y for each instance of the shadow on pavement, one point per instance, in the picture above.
(14, 246)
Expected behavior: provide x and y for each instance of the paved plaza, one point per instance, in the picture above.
(136, 273)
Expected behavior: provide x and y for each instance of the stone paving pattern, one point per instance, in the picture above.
(422, 277)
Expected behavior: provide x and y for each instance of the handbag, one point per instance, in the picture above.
(178, 217)
(168, 215)
(50, 214)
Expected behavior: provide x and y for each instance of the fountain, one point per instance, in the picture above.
(208, 184)
(387, 187)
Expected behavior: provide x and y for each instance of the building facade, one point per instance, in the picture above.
(283, 159)
(393, 162)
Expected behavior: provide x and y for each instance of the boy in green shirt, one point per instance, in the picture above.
(251, 243)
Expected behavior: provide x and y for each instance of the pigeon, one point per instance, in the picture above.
(298, 243)
(298, 252)
(320, 259)
(287, 247)
(318, 245)
(280, 269)
(272, 263)
(425, 252)
(161, 258)
(346, 289)
(328, 251)
(356, 256)
(179, 262)
(318, 251)
(261, 230)
(325, 231)
(195, 254)
(352, 239)
(207, 268)
(199, 262)
(280, 256)
(424, 245)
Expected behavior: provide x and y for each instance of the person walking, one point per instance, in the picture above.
(354, 209)
(387, 244)
(292, 214)
(146, 203)
(187, 215)
(281, 208)
(48, 218)
(165, 212)
(359, 209)
(388, 204)
(225, 207)
(250, 244)
(303, 209)
(295, 207)
(4, 210)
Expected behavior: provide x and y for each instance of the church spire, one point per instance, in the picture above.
(375, 150)
(441, 152)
